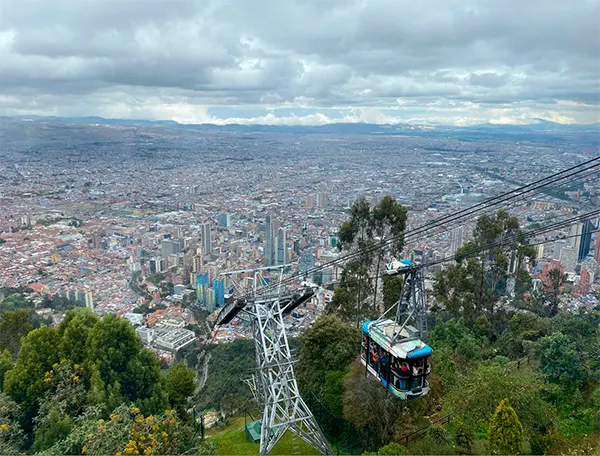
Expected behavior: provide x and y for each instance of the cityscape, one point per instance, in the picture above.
(299, 227)
(118, 217)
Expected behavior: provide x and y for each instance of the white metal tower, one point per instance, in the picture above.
(274, 384)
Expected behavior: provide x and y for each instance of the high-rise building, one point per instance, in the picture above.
(206, 239)
(568, 258)
(282, 246)
(202, 285)
(155, 265)
(558, 246)
(457, 240)
(539, 251)
(211, 300)
(586, 240)
(171, 246)
(89, 300)
(580, 238)
(583, 288)
(597, 248)
(219, 287)
(224, 220)
(322, 200)
(270, 244)
(197, 263)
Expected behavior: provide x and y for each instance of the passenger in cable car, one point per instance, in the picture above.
(383, 364)
(374, 358)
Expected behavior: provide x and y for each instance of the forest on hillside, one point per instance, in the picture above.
(87, 386)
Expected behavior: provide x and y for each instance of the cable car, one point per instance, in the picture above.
(394, 267)
(396, 357)
(392, 350)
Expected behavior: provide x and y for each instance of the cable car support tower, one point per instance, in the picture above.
(411, 307)
(274, 383)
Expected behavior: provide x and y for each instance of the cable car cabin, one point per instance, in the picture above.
(403, 367)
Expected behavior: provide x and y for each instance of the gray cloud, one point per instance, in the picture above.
(530, 54)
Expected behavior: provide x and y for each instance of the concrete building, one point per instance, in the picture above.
(456, 240)
(146, 334)
(206, 239)
(173, 339)
(224, 220)
(270, 245)
(89, 300)
(282, 256)
(568, 258)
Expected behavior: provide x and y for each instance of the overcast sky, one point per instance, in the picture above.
(303, 61)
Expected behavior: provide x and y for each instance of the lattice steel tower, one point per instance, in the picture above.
(274, 384)
(412, 305)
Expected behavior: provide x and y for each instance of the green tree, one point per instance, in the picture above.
(333, 392)
(355, 280)
(6, 364)
(523, 328)
(389, 221)
(96, 395)
(488, 384)
(25, 383)
(112, 344)
(367, 405)
(556, 279)
(180, 385)
(392, 449)
(11, 434)
(142, 377)
(505, 434)
(371, 231)
(479, 279)
(55, 428)
(560, 361)
(392, 287)
(13, 326)
(74, 331)
(129, 432)
(464, 435)
(343, 304)
(329, 345)
(114, 395)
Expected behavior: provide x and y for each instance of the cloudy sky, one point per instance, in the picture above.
(303, 61)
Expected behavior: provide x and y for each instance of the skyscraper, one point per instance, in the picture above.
(322, 200)
(206, 239)
(580, 238)
(586, 240)
(170, 246)
(282, 246)
(457, 240)
(568, 258)
(224, 220)
(270, 244)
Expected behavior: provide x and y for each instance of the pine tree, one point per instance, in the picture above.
(505, 434)
(96, 394)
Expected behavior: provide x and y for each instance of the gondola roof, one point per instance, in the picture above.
(407, 345)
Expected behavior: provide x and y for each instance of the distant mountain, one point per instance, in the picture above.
(482, 131)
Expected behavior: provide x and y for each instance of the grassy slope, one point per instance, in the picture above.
(232, 440)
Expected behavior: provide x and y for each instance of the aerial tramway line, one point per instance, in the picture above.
(392, 351)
